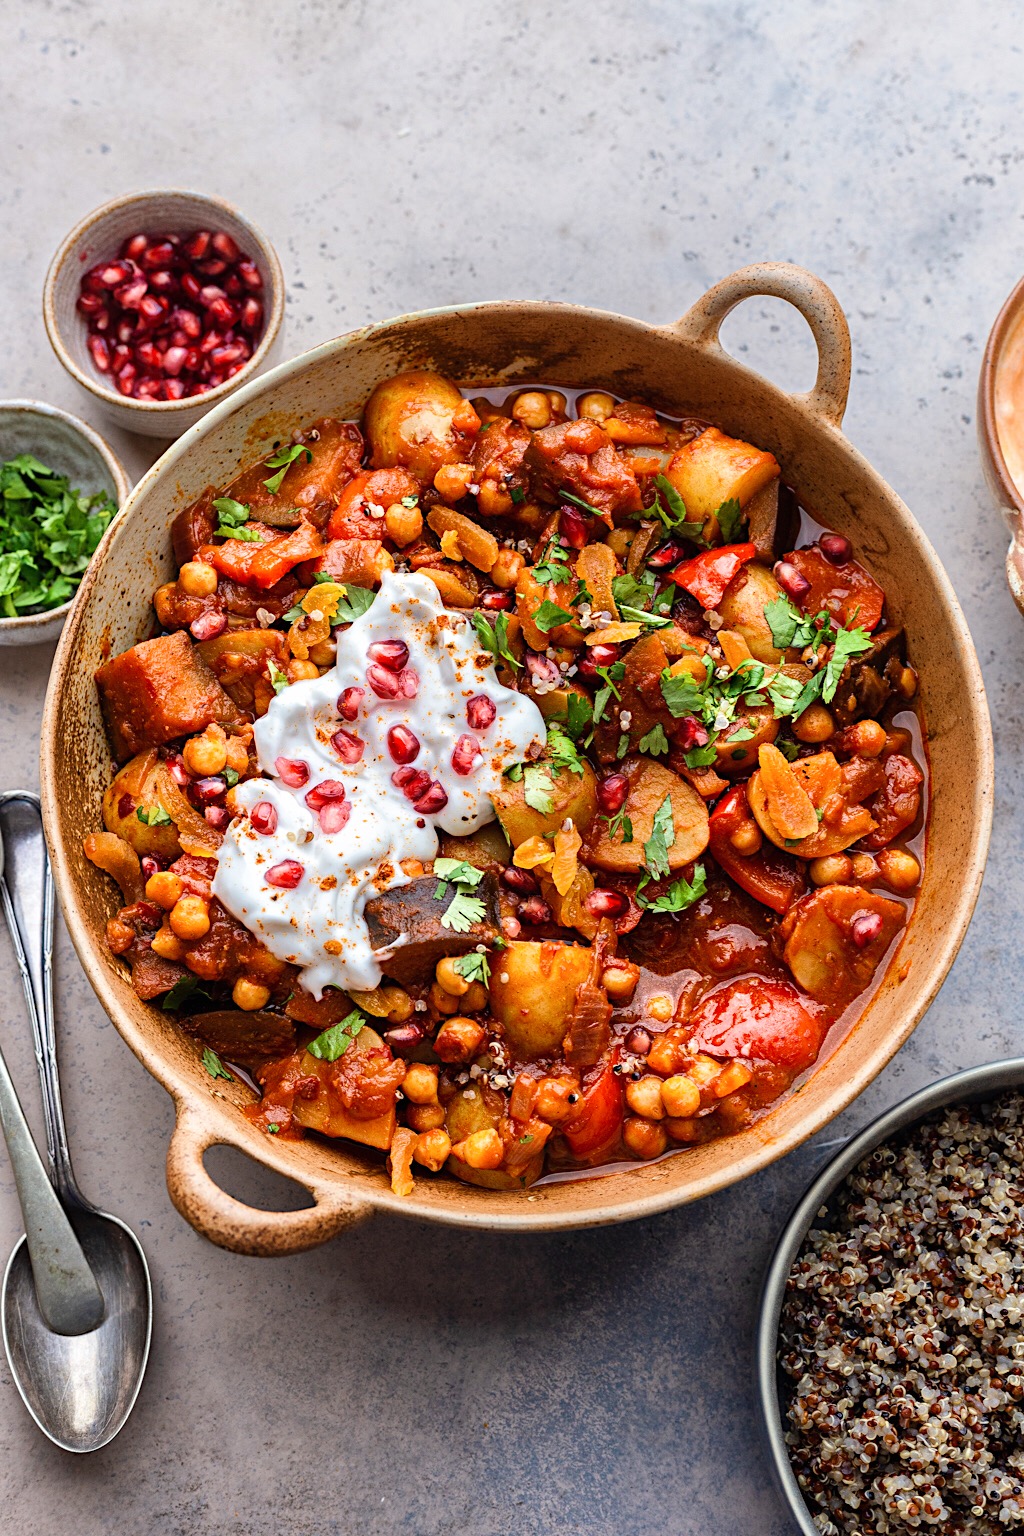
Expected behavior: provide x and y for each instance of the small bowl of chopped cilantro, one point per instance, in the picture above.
(60, 487)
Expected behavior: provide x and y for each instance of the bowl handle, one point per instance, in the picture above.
(232, 1224)
(815, 301)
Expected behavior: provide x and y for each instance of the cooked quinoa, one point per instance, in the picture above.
(902, 1333)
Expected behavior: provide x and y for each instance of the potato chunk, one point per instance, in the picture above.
(820, 934)
(533, 991)
(649, 785)
(742, 609)
(713, 468)
(326, 1113)
(420, 421)
(138, 787)
(571, 794)
(158, 690)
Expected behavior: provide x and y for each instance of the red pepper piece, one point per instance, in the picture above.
(707, 575)
(768, 875)
(264, 564)
(758, 1018)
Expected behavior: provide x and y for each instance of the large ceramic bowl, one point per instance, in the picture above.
(1003, 359)
(682, 368)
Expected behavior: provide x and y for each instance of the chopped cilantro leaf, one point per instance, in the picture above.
(153, 816)
(48, 534)
(562, 750)
(682, 694)
(278, 680)
(185, 990)
(463, 912)
(230, 777)
(334, 1042)
(580, 715)
(549, 615)
(494, 638)
(553, 566)
(458, 872)
(281, 461)
(680, 894)
(655, 743)
(632, 615)
(601, 698)
(214, 1065)
(789, 749)
(232, 516)
(538, 789)
(619, 823)
(623, 746)
(730, 520)
(612, 675)
(513, 772)
(627, 589)
(353, 605)
(702, 757)
(517, 494)
(849, 642)
(474, 967)
(662, 838)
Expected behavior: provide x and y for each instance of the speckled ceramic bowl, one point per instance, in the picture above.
(1006, 333)
(971, 1086)
(682, 368)
(99, 237)
(72, 448)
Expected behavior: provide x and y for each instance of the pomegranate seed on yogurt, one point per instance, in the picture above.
(480, 712)
(287, 874)
(403, 744)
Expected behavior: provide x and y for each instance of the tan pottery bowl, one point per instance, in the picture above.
(682, 368)
(1007, 331)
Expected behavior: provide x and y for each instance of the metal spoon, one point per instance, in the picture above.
(79, 1386)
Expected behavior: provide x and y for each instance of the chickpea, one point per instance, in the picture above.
(814, 725)
(533, 409)
(557, 402)
(736, 1075)
(197, 579)
(644, 1098)
(432, 1149)
(557, 1099)
(906, 683)
(681, 1096)
(302, 671)
(403, 524)
(619, 540)
(420, 1083)
(833, 869)
(164, 888)
(236, 755)
(867, 737)
(164, 599)
(424, 1117)
(619, 980)
(450, 978)
(595, 406)
(167, 945)
(484, 1149)
(452, 482)
(493, 500)
(207, 753)
(441, 1001)
(661, 1007)
(644, 1138)
(899, 868)
(683, 1130)
(506, 568)
(476, 999)
(190, 917)
(864, 868)
(459, 1040)
(399, 1004)
(746, 838)
(249, 995)
(324, 653)
(704, 1070)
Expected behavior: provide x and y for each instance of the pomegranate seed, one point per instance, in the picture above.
(218, 816)
(158, 255)
(214, 266)
(194, 359)
(597, 656)
(865, 928)
(211, 340)
(408, 682)
(334, 817)
(149, 389)
(519, 880)
(206, 791)
(150, 866)
(90, 303)
(188, 321)
(542, 669)
(197, 245)
(120, 355)
(669, 554)
(791, 581)
(191, 287)
(100, 352)
(348, 746)
(349, 701)
(225, 246)
(384, 683)
(480, 712)
(249, 272)
(434, 799)
(392, 654)
(174, 360)
(574, 527)
(602, 903)
(323, 793)
(126, 328)
(101, 321)
(534, 910)
(210, 294)
(234, 352)
(413, 782)
(612, 792)
(264, 817)
(403, 744)
(404, 1038)
(173, 389)
(162, 282)
(134, 246)
(152, 309)
(111, 274)
(250, 315)
(287, 874)
(179, 773)
(836, 549)
(638, 1041)
(495, 600)
(293, 771)
(464, 755)
(233, 286)
(690, 733)
(131, 294)
(125, 378)
(209, 625)
(149, 355)
(222, 311)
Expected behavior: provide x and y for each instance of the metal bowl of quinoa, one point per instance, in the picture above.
(890, 1346)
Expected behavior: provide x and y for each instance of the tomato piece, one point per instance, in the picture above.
(264, 564)
(598, 1123)
(707, 575)
(897, 803)
(772, 878)
(352, 519)
(847, 591)
(761, 1018)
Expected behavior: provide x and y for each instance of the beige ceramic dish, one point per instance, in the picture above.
(1004, 351)
(98, 237)
(682, 368)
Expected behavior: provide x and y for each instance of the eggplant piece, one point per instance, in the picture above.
(250, 1040)
(413, 911)
(773, 518)
(867, 683)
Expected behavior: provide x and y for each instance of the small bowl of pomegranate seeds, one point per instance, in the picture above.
(162, 303)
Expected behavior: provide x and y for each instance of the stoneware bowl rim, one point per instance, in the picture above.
(344, 1197)
(1011, 312)
(169, 409)
(972, 1084)
(39, 625)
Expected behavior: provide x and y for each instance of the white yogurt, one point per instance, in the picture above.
(319, 925)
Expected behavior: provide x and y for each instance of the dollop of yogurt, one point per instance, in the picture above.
(310, 911)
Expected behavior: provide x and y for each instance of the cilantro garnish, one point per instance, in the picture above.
(703, 757)
(789, 749)
(517, 494)
(549, 615)
(623, 746)
(683, 695)
(463, 912)
(278, 680)
(791, 627)
(474, 967)
(730, 520)
(580, 715)
(849, 642)
(465, 909)
(662, 838)
(578, 501)
(562, 750)
(186, 989)
(655, 743)
(680, 894)
(670, 507)
(230, 777)
(233, 515)
(48, 534)
(620, 822)
(494, 638)
(640, 616)
(457, 872)
(538, 788)
(627, 589)
(281, 460)
(334, 1042)
(553, 566)
(214, 1065)
(153, 816)
(353, 605)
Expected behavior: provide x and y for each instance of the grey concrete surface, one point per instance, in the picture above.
(620, 155)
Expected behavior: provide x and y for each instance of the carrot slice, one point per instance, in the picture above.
(789, 804)
(734, 648)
